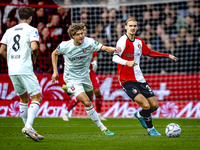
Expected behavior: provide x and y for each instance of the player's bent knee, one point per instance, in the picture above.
(145, 105)
(87, 104)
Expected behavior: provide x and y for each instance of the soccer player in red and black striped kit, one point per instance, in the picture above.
(130, 75)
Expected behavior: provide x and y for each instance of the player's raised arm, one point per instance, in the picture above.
(111, 49)
(54, 59)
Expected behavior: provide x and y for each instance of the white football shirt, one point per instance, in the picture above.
(18, 40)
(77, 58)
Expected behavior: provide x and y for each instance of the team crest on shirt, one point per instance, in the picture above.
(72, 88)
(85, 50)
(139, 46)
(134, 91)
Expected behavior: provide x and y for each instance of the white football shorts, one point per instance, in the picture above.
(75, 87)
(26, 82)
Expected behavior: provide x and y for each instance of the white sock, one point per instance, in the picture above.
(149, 129)
(138, 114)
(32, 112)
(99, 114)
(94, 116)
(23, 107)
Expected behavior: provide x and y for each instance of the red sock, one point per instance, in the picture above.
(73, 103)
(98, 103)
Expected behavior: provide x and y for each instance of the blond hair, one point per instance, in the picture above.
(74, 27)
(131, 19)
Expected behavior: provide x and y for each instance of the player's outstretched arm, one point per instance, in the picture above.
(111, 49)
(54, 59)
(3, 51)
(158, 54)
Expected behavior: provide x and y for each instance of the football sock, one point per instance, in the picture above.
(147, 117)
(98, 103)
(73, 103)
(32, 113)
(23, 111)
(94, 116)
(151, 110)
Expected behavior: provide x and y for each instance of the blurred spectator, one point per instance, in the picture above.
(40, 27)
(55, 27)
(158, 44)
(150, 64)
(191, 25)
(65, 14)
(11, 11)
(39, 16)
(119, 31)
(156, 17)
(123, 13)
(45, 37)
(43, 65)
(190, 55)
(170, 28)
(145, 21)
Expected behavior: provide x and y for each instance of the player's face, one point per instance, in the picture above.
(79, 37)
(131, 27)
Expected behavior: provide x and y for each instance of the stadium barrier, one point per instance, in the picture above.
(175, 99)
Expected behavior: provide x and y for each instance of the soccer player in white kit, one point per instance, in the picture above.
(20, 42)
(130, 75)
(78, 53)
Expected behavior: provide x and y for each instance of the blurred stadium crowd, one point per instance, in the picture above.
(172, 28)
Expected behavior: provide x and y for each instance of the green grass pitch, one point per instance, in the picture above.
(83, 134)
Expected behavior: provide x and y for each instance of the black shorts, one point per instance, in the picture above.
(132, 89)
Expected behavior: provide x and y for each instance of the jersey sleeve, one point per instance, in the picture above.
(96, 46)
(122, 44)
(145, 49)
(34, 37)
(60, 48)
(4, 39)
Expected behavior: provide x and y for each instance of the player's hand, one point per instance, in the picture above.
(54, 77)
(117, 50)
(173, 57)
(131, 63)
(94, 65)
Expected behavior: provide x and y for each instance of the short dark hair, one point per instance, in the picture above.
(25, 12)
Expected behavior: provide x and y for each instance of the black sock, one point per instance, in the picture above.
(151, 110)
(147, 117)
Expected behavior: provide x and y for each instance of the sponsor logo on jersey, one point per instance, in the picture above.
(129, 55)
(85, 50)
(139, 46)
(77, 58)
